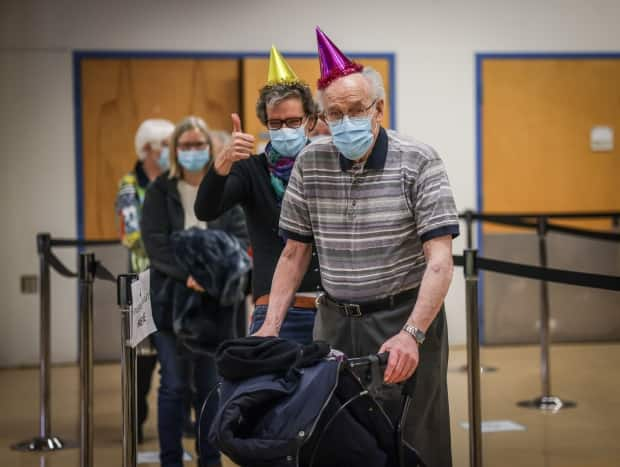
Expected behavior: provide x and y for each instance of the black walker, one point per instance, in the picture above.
(350, 428)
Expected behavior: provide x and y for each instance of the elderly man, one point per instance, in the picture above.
(380, 209)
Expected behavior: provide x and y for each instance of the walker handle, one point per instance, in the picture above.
(383, 358)
(380, 358)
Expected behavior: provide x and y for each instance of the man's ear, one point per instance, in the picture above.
(311, 125)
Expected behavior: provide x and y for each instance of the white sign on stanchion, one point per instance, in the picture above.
(142, 323)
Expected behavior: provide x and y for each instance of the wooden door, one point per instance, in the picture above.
(537, 114)
(537, 117)
(118, 94)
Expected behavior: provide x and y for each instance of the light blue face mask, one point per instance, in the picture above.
(288, 142)
(352, 136)
(194, 160)
(164, 158)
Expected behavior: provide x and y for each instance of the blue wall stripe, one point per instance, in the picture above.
(79, 173)
(479, 116)
(479, 92)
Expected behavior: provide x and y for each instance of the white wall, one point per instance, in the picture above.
(38, 195)
(434, 42)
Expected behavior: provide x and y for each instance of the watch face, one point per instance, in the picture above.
(418, 335)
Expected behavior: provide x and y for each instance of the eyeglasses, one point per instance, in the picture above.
(336, 116)
(293, 122)
(192, 145)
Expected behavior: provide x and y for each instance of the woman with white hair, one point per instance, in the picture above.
(151, 144)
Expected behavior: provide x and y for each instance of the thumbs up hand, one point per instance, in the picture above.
(240, 147)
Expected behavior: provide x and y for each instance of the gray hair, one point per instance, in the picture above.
(273, 94)
(374, 79)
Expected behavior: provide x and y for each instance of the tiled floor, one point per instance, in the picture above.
(588, 435)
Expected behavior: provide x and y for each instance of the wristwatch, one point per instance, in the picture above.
(417, 335)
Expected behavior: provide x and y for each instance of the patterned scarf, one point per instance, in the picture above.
(280, 168)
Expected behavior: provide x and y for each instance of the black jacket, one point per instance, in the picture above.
(249, 185)
(162, 215)
(290, 411)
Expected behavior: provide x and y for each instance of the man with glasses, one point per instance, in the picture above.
(381, 212)
(258, 182)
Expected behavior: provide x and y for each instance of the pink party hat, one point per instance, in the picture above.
(334, 64)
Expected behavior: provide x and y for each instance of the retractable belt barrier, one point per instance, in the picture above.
(532, 221)
(560, 276)
(88, 270)
(472, 264)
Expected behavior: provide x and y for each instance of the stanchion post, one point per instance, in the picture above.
(43, 246)
(546, 401)
(128, 376)
(545, 373)
(86, 277)
(469, 221)
(45, 441)
(473, 359)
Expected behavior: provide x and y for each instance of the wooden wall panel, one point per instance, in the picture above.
(537, 116)
(255, 77)
(117, 95)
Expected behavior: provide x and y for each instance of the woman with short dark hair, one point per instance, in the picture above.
(258, 182)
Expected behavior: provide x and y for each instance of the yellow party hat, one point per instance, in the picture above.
(279, 70)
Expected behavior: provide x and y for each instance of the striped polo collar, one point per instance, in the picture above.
(377, 157)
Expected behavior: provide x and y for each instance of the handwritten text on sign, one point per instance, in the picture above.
(142, 323)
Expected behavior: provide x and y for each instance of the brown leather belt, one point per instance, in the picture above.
(300, 301)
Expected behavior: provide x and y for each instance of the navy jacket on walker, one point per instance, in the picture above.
(310, 412)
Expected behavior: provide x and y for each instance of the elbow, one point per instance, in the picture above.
(205, 211)
(199, 213)
(200, 210)
(442, 267)
(296, 252)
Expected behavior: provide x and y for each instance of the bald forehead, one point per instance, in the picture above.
(351, 88)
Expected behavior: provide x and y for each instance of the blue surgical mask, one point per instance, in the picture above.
(352, 136)
(288, 142)
(164, 158)
(194, 160)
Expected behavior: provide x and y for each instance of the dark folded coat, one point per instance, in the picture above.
(219, 264)
(215, 259)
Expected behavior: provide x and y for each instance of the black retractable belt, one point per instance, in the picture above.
(357, 310)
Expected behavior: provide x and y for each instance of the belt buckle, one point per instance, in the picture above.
(352, 310)
(319, 299)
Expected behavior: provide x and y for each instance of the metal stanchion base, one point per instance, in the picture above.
(51, 443)
(547, 403)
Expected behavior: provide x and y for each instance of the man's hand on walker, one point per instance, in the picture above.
(404, 357)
